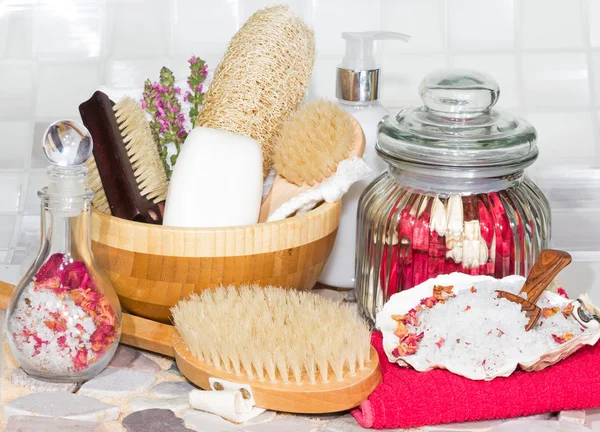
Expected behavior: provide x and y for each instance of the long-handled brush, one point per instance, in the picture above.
(126, 172)
(299, 352)
(310, 146)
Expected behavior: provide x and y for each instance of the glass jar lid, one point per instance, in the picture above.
(457, 128)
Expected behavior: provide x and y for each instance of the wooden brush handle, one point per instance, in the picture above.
(114, 166)
(137, 332)
(549, 263)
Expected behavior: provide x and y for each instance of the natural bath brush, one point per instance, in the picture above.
(549, 263)
(126, 172)
(311, 145)
(297, 351)
(262, 78)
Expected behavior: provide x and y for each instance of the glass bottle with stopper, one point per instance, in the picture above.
(63, 321)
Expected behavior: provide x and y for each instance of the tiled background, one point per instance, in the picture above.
(544, 53)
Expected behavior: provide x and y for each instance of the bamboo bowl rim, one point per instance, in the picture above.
(215, 242)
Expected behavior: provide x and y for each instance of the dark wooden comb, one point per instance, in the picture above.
(549, 263)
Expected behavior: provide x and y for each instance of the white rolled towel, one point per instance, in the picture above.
(229, 404)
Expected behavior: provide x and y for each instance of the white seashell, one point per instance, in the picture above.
(439, 222)
(455, 217)
(423, 206)
(472, 230)
(584, 312)
(456, 253)
(483, 253)
(470, 253)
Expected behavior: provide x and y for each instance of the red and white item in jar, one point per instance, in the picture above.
(61, 322)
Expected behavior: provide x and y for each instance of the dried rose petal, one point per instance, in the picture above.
(548, 312)
(62, 341)
(568, 310)
(74, 273)
(440, 342)
(401, 330)
(500, 332)
(50, 267)
(560, 339)
(80, 359)
(52, 283)
(429, 302)
(473, 290)
(467, 308)
(561, 292)
(442, 293)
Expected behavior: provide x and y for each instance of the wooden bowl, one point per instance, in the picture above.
(152, 267)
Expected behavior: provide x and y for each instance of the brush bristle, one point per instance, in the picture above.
(143, 154)
(142, 150)
(94, 182)
(273, 334)
(313, 142)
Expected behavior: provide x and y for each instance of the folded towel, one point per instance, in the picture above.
(407, 398)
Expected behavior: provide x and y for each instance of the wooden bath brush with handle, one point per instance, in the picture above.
(310, 146)
(549, 263)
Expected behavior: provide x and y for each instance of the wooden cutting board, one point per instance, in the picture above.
(137, 332)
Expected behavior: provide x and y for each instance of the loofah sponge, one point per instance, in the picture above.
(262, 78)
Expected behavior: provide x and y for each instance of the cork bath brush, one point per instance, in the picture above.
(310, 146)
(297, 351)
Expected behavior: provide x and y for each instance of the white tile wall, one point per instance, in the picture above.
(544, 53)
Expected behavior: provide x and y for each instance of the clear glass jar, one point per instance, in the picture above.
(455, 197)
(63, 321)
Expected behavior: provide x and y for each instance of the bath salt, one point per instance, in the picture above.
(479, 333)
(61, 322)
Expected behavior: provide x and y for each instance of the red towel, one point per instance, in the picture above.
(407, 398)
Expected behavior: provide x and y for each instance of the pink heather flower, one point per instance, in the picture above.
(205, 70)
(177, 90)
(155, 86)
(180, 134)
(160, 109)
(163, 127)
(199, 88)
(175, 109)
(193, 60)
(143, 104)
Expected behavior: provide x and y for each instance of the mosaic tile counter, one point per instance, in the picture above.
(145, 392)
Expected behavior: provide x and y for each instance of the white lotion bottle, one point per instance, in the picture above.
(357, 91)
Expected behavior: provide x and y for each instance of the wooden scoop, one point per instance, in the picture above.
(549, 263)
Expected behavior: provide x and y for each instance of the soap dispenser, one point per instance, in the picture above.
(357, 91)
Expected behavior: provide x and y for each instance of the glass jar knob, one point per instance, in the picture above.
(67, 143)
(459, 94)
